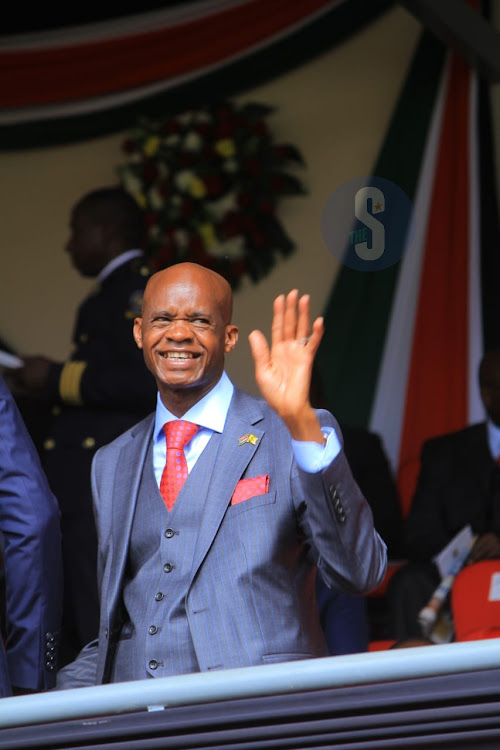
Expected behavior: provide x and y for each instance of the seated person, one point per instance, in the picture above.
(458, 484)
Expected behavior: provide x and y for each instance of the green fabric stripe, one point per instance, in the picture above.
(292, 51)
(358, 311)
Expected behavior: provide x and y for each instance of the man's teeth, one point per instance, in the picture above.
(177, 355)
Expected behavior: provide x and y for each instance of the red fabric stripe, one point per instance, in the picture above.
(94, 69)
(436, 400)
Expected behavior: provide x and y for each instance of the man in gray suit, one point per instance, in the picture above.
(226, 577)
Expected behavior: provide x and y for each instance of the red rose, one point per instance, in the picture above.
(245, 199)
(213, 184)
(128, 146)
(151, 218)
(149, 171)
(171, 127)
(231, 224)
(186, 158)
(187, 208)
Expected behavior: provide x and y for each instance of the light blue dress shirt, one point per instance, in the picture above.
(210, 414)
(493, 433)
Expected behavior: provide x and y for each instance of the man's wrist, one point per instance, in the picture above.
(306, 427)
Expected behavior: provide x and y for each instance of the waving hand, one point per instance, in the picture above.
(283, 370)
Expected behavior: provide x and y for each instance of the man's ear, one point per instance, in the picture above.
(138, 332)
(231, 338)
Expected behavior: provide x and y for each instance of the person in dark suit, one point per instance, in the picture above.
(100, 391)
(458, 484)
(225, 577)
(31, 560)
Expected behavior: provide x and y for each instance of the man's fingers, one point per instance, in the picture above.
(259, 348)
(278, 320)
(290, 317)
(318, 329)
(303, 327)
(292, 321)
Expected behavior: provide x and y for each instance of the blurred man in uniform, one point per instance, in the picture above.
(100, 391)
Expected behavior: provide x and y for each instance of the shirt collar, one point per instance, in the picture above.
(117, 262)
(493, 438)
(210, 411)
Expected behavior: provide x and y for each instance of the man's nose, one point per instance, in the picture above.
(179, 330)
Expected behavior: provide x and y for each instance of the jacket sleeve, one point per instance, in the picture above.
(338, 524)
(30, 525)
(82, 671)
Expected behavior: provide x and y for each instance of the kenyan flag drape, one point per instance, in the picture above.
(402, 345)
(67, 84)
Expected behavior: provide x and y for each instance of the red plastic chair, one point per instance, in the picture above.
(475, 601)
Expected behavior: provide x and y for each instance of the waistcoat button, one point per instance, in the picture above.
(169, 533)
(159, 596)
(152, 629)
(153, 664)
(168, 567)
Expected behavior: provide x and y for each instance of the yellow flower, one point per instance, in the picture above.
(225, 147)
(141, 199)
(192, 141)
(197, 188)
(183, 179)
(152, 145)
(208, 235)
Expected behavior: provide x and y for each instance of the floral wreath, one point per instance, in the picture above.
(210, 180)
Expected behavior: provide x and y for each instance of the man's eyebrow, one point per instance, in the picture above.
(153, 313)
(187, 316)
(199, 314)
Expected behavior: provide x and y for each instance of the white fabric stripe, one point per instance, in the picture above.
(130, 25)
(18, 116)
(476, 412)
(390, 395)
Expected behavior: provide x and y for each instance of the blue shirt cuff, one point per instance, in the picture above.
(313, 457)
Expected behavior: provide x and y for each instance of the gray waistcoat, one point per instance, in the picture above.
(156, 641)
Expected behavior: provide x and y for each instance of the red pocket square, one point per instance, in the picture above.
(250, 488)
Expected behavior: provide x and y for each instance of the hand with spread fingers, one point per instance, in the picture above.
(283, 371)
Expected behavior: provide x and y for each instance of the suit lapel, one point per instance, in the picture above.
(228, 460)
(124, 498)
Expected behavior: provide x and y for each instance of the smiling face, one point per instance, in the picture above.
(185, 332)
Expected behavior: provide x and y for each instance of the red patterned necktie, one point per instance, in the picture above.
(178, 433)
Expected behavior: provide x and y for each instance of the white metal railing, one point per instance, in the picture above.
(288, 677)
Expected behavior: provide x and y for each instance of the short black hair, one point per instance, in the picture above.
(115, 205)
(489, 368)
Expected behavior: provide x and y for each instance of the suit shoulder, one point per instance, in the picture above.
(455, 439)
(256, 407)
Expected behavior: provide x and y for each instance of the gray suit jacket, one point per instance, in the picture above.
(255, 562)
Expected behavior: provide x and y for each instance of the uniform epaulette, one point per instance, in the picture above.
(70, 382)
